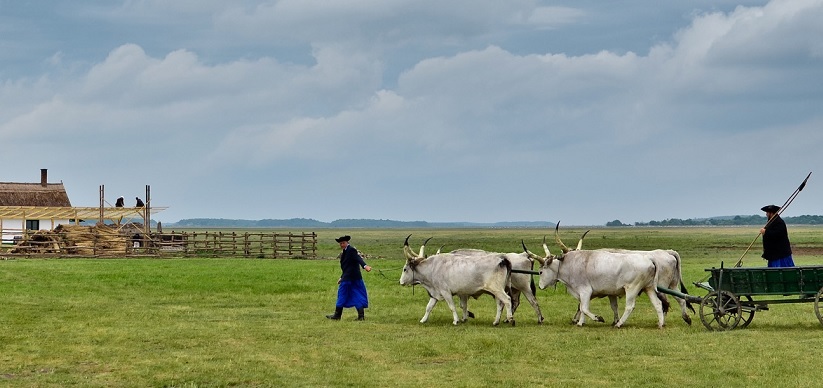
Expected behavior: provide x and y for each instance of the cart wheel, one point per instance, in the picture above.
(746, 314)
(817, 299)
(720, 311)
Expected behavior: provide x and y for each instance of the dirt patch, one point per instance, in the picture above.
(807, 251)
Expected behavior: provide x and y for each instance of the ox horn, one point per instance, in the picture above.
(546, 247)
(557, 238)
(580, 243)
(423, 248)
(407, 251)
(532, 255)
(439, 249)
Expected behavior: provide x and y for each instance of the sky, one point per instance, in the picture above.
(582, 112)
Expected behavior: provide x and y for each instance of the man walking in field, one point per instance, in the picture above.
(351, 290)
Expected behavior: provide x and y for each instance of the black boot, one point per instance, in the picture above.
(338, 312)
(361, 314)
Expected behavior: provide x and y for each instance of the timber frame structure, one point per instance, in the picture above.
(104, 212)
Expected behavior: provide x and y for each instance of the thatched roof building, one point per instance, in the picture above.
(41, 194)
(44, 206)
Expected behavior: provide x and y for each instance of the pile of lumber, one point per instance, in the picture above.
(77, 240)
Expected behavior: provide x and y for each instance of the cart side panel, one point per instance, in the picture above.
(811, 279)
(768, 281)
(782, 281)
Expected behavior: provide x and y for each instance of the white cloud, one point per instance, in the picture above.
(473, 119)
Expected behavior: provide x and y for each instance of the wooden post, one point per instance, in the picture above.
(102, 200)
(147, 213)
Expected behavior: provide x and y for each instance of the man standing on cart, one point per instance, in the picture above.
(777, 249)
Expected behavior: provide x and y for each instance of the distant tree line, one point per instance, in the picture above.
(724, 221)
(343, 223)
(372, 223)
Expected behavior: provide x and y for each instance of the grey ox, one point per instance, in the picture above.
(519, 283)
(447, 275)
(592, 274)
(669, 276)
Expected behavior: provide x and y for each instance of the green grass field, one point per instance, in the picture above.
(251, 322)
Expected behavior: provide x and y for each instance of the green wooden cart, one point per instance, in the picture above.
(736, 294)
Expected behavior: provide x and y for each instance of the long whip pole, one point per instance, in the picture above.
(779, 212)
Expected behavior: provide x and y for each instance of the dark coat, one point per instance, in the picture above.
(350, 263)
(776, 243)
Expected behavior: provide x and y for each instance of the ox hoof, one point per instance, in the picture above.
(599, 318)
(688, 319)
(512, 322)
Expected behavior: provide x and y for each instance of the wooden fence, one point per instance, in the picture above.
(174, 244)
(220, 244)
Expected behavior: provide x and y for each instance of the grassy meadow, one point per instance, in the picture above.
(214, 322)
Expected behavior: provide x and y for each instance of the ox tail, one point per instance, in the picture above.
(663, 299)
(680, 278)
(685, 291)
(505, 263)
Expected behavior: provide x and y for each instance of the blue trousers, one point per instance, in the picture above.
(784, 262)
(352, 293)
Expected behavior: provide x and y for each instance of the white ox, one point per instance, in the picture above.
(446, 275)
(669, 276)
(519, 283)
(592, 274)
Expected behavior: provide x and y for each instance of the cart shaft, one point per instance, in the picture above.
(687, 297)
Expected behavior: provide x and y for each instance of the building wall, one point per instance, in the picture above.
(11, 228)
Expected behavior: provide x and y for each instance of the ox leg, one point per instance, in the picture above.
(464, 305)
(684, 310)
(450, 302)
(576, 317)
(429, 307)
(515, 298)
(658, 306)
(684, 305)
(613, 304)
(631, 300)
(585, 300)
(533, 301)
(499, 311)
(503, 300)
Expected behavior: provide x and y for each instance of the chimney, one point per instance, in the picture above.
(44, 177)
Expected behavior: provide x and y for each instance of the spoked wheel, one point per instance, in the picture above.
(817, 309)
(720, 310)
(747, 314)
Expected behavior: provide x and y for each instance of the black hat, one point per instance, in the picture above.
(344, 238)
(770, 208)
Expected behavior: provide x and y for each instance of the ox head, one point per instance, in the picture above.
(549, 264)
(412, 260)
